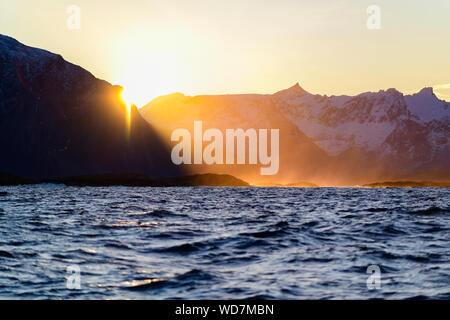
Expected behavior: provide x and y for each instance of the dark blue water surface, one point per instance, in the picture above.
(223, 243)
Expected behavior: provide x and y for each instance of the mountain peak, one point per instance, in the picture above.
(426, 91)
(393, 91)
(294, 90)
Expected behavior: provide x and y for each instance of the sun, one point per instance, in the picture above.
(144, 68)
(127, 99)
(141, 85)
(138, 92)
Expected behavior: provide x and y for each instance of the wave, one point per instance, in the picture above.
(265, 234)
(430, 211)
(117, 245)
(145, 284)
(6, 254)
(187, 248)
(189, 278)
(162, 213)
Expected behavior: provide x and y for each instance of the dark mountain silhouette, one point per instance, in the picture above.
(130, 180)
(57, 119)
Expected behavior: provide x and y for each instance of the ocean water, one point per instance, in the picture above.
(223, 243)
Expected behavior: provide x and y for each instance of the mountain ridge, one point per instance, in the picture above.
(370, 135)
(57, 119)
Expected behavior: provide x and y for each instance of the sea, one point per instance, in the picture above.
(60, 242)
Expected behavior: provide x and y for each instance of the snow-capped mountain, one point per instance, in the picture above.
(338, 123)
(410, 130)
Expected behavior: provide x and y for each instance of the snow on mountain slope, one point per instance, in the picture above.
(366, 121)
(338, 123)
(427, 107)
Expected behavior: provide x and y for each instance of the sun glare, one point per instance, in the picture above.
(144, 67)
(127, 99)
(142, 86)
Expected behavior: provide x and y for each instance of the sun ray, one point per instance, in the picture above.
(127, 101)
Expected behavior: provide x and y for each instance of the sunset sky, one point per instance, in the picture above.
(155, 47)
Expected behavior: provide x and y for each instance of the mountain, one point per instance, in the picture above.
(57, 119)
(304, 162)
(337, 140)
(401, 133)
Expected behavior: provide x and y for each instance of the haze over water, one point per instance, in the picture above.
(224, 243)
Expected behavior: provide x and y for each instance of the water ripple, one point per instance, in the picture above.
(224, 243)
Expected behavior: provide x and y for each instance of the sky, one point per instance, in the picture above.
(156, 47)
